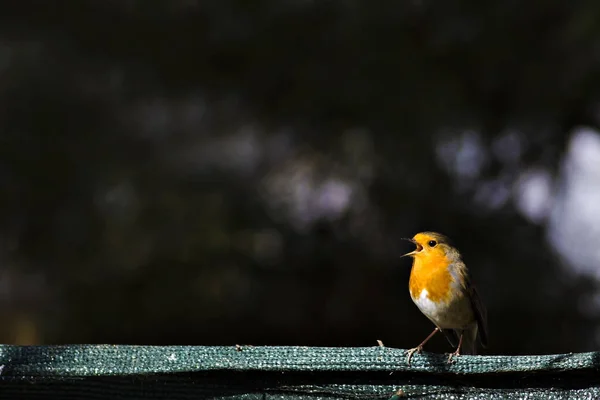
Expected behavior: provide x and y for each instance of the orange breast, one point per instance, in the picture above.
(431, 273)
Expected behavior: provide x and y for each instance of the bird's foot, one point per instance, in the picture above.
(451, 359)
(409, 353)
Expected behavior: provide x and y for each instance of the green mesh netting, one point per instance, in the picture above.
(268, 373)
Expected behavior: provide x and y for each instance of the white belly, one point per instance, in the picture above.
(456, 314)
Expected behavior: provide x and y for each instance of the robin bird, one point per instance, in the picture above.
(441, 288)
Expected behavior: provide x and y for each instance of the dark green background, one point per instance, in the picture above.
(148, 151)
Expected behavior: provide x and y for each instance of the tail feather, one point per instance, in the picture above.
(469, 342)
(452, 335)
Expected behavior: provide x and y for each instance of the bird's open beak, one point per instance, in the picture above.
(412, 253)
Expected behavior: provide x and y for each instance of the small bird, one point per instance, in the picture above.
(441, 288)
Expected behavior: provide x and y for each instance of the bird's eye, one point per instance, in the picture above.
(432, 243)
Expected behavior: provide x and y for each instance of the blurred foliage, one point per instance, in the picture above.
(225, 172)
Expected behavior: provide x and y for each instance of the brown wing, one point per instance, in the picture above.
(480, 315)
(461, 274)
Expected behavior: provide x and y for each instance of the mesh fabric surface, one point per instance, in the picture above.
(268, 373)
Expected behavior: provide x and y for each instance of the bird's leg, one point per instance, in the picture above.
(457, 352)
(418, 349)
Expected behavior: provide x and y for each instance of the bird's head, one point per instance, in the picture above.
(430, 245)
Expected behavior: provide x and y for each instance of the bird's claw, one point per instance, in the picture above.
(451, 359)
(412, 351)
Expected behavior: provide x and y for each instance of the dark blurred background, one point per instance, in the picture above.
(222, 172)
